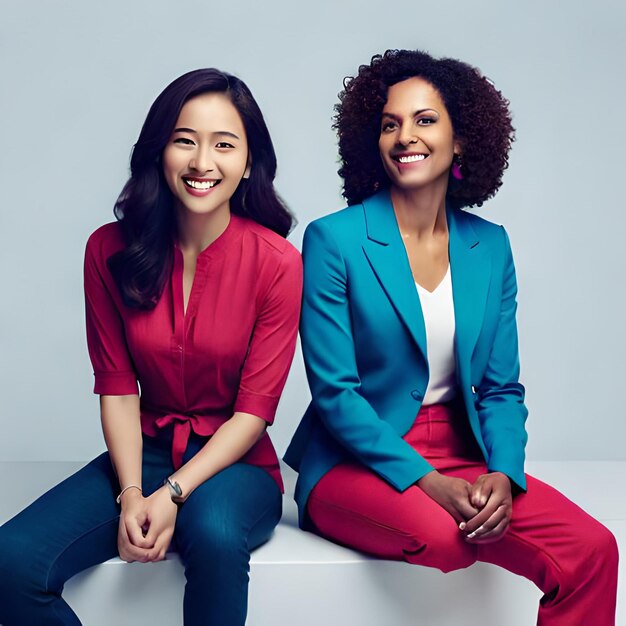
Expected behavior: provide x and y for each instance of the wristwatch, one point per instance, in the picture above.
(176, 493)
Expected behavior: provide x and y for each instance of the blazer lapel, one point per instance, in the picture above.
(387, 257)
(471, 275)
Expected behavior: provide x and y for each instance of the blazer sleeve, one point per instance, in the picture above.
(500, 404)
(329, 355)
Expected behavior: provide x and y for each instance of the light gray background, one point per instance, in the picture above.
(77, 79)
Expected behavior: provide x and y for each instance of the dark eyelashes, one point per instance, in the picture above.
(422, 121)
(189, 142)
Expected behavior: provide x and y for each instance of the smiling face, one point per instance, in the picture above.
(416, 140)
(206, 155)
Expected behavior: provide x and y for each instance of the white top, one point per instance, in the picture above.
(438, 311)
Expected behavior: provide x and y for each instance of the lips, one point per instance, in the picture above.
(409, 157)
(201, 184)
(408, 160)
(200, 187)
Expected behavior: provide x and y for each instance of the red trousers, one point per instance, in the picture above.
(569, 555)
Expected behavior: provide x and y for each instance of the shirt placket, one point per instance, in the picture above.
(181, 345)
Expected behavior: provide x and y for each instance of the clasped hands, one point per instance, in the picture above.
(482, 510)
(146, 525)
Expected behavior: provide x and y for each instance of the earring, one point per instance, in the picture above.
(457, 162)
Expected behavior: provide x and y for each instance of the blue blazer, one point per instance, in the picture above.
(364, 346)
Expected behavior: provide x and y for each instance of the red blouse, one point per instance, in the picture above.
(230, 351)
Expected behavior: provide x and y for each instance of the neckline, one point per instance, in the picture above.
(217, 244)
(445, 279)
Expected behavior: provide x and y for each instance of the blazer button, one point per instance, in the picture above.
(416, 395)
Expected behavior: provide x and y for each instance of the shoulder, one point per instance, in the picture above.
(105, 241)
(489, 233)
(344, 230)
(267, 244)
(341, 221)
(482, 226)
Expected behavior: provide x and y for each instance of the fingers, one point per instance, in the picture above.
(136, 535)
(490, 536)
(160, 547)
(481, 518)
(459, 505)
(492, 530)
(464, 511)
(489, 523)
(480, 493)
(127, 551)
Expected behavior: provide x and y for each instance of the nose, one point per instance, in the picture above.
(407, 135)
(201, 161)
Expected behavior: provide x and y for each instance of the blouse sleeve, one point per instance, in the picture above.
(273, 341)
(112, 364)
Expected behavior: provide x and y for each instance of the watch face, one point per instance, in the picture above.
(176, 493)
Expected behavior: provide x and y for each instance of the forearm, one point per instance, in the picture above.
(121, 426)
(229, 443)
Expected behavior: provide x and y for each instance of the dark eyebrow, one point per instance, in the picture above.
(226, 133)
(218, 132)
(397, 118)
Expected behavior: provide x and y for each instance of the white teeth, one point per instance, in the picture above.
(411, 158)
(197, 184)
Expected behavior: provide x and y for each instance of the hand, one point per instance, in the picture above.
(161, 520)
(453, 494)
(131, 541)
(491, 494)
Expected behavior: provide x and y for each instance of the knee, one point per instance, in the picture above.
(442, 549)
(597, 554)
(602, 547)
(217, 539)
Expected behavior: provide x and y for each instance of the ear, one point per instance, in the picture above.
(458, 150)
(246, 173)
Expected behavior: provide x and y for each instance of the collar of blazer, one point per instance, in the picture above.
(470, 266)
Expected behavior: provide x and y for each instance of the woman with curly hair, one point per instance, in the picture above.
(413, 446)
(192, 304)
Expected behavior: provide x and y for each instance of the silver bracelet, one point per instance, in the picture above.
(119, 498)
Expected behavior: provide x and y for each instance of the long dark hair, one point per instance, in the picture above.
(145, 208)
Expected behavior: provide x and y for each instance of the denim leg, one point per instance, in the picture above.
(220, 523)
(68, 529)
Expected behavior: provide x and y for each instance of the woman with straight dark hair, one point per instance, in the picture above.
(192, 296)
(413, 445)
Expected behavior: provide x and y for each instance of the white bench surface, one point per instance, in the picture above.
(300, 579)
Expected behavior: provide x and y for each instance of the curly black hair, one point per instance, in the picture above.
(480, 117)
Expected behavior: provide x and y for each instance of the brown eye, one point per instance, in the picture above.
(183, 141)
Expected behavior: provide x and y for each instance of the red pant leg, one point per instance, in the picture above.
(568, 554)
(354, 507)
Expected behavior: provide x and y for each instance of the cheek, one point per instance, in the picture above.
(383, 154)
(382, 146)
(171, 165)
(235, 168)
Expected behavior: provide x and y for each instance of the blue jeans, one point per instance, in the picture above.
(74, 526)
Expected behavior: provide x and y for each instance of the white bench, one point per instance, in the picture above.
(298, 579)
